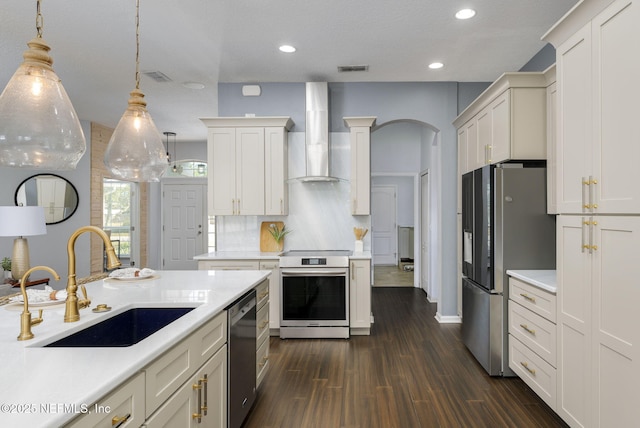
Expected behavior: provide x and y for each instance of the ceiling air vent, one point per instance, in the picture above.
(158, 76)
(351, 68)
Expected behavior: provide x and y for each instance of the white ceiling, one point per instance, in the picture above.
(211, 41)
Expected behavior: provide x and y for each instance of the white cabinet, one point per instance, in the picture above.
(360, 138)
(274, 292)
(532, 338)
(552, 129)
(275, 173)
(598, 369)
(200, 402)
(262, 331)
(597, 71)
(506, 122)
(360, 297)
(235, 264)
(247, 165)
(124, 406)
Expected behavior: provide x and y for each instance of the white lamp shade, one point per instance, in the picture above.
(22, 221)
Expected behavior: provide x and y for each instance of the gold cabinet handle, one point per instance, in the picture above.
(263, 362)
(263, 295)
(198, 387)
(238, 206)
(205, 382)
(527, 297)
(353, 271)
(526, 366)
(117, 421)
(527, 329)
(263, 324)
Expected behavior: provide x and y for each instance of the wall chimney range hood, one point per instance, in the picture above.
(317, 133)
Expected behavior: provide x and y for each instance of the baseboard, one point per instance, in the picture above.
(448, 319)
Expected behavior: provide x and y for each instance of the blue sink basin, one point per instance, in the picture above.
(124, 329)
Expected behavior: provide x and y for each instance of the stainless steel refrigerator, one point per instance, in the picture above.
(504, 226)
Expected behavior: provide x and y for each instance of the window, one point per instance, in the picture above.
(116, 215)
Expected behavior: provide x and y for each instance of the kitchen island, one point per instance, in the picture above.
(48, 387)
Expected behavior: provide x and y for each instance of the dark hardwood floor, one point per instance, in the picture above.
(411, 372)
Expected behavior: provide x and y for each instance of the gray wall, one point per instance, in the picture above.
(51, 249)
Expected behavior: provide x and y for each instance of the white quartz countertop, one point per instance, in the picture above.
(545, 279)
(237, 255)
(39, 383)
(258, 255)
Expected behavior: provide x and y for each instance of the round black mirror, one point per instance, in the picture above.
(56, 194)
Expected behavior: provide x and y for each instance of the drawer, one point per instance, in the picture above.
(262, 294)
(228, 265)
(262, 361)
(262, 324)
(533, 370)
(537, 333)
(125, 403)
(209, 338)
(531, 297)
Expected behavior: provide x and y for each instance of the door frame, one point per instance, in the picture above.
(205, 218)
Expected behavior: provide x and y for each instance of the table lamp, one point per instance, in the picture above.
(21, 222)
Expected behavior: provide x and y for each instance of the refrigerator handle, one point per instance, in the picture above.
(585, 199)
(584, 224)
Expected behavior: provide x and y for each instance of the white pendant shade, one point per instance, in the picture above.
(39, 127)
(135, 151)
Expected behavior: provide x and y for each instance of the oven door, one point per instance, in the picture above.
(314, 297)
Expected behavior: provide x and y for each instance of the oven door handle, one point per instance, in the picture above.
(307, 272)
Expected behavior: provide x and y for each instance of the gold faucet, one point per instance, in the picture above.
(25, 319)
(73, 305)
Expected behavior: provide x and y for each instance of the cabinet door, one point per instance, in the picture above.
(552, 112)
(275, 176)
(485, 137)
(250, 171)
(616, 67)
(574, 321)
(360, 170)
(573, 151)
(615, 320)
(221, 154)
(360, 294)
(208, 388)
(462, 151)
(499, 148)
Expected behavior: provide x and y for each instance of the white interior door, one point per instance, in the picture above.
(383, 225)
(184, 226)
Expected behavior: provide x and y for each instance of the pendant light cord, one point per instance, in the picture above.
(39, 20)
(137, 44)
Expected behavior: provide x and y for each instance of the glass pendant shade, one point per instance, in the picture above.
(39, 127)
(135, 151)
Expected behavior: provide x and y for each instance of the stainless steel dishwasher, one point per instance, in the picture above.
(242, 358)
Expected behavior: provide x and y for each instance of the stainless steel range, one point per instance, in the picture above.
(314, 293)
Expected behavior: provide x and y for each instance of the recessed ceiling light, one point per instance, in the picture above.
(465, 13)
(287, 49)
(436, 65)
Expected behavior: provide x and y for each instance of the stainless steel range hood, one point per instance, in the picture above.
(317, 154)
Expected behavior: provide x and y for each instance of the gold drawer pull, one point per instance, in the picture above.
(116, 421)
(198, 387)
(529, 298)
(527, 329)
(264, 324)
(263, 362)
(263, 295)
(526, 366)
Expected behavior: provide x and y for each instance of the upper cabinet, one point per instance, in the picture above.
(597, 68)
(360, 128)
(247, 165)
(506, 122)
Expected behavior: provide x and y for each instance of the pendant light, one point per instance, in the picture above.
(38, 126)
(176, 169)
(135, 151)
(167, 134)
